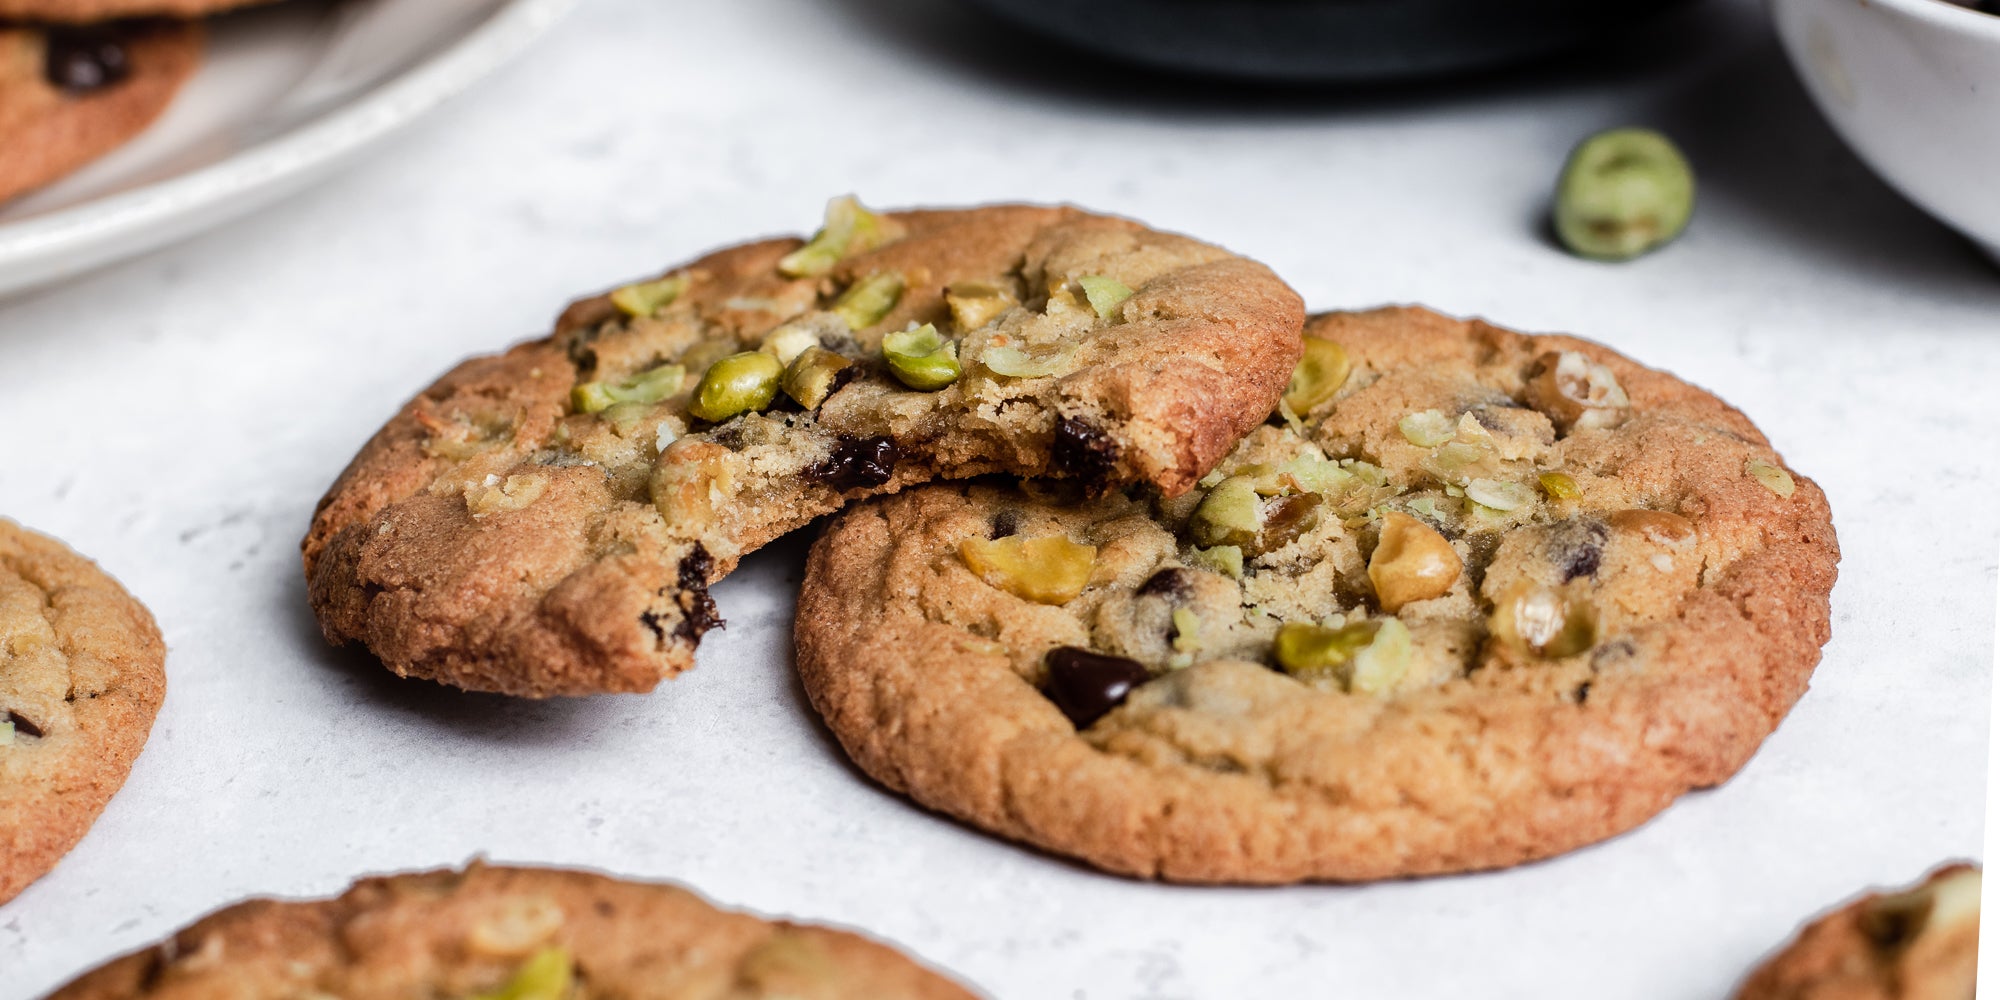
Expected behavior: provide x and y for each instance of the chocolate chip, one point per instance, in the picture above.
(652, 620)
(1086, 685)
(1082, 452)
(697, 607)
(1171, 583)
(856, 464)
(1582, 692)
(1892, 926)
(80, 60)
(1580, 545)
(24, 725)
(1005, 523)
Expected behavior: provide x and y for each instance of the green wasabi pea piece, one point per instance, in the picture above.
(868, 300)
(1105, 294)
(921, 358)
(648, 297)
(1623, 193)
(1321, 371)
(1231, 514)
(849, 229)
(811, 376)
(1310, 652)
(649, 386)
(549, 975)
(737, 384)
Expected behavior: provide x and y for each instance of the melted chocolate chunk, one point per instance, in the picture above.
(696, 605)
(24, 725)
(1171, 583)
(81, 60)
(856, 464)
(1005, 523)
(1082, 452)
(1890, 926)
(1086, 685)
(1581, 548)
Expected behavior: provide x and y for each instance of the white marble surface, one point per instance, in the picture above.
(178, 416)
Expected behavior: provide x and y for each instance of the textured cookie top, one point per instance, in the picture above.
(508, 934)
(1477, 598)
(82, 672)
(1920, 943)
(69, 95)
(546, 521)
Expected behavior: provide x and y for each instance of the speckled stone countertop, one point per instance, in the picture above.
(177, 417)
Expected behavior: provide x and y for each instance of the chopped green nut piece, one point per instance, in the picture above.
(921, 358)
(1016, 363)
(1224, 559)
(647, 387)
(977, 303)
(649, 297)
(1427, 429)
(549, 975)
(1622, 193)
(868, 300)
(786, 342)
(1379, 667)
(1774, 478)
(1321, 371)
(1311, 652)
(1187, 631)
(6, 734)
(1499, 495)
(1561, 486)
(849, 229)
(1047, 570)
(737, 384)
(1231, 514)
(1105, 294)
(812, 375)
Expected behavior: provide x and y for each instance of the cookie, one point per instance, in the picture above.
(1471, 598)
(70, 95)
(1921, 943)
(547, 521)
(95, 11)
(82, 672)
(493, 933)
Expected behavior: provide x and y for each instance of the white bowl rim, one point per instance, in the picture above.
(1945, 15)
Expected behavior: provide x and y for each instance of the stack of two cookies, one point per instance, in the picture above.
(1163, 585)
(80, 77)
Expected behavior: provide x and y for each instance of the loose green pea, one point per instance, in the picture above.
(921, 358)
(737, 384)
(868, 300)
(1623, 192)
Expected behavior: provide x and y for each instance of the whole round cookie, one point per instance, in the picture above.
(70, 95)
(1920, 943)
(547, 521)
(495, 933)
(82, 673)
(1472, 598)
(95, 11)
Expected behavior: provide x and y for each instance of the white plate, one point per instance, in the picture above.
(285, 94)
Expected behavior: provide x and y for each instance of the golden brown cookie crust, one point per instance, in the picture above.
(1228, 771)
(83, 666)
(1914, 944)
(48, 133)
(494, 538)
(465, 934)
(93, 11)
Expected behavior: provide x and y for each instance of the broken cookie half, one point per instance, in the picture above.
(547, 521)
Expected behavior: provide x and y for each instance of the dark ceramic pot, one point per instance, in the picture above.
(1330, 41)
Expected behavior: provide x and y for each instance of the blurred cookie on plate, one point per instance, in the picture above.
(69, 95)
(1920, 943)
